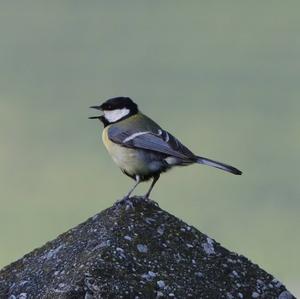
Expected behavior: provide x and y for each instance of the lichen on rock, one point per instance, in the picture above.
(136, 250)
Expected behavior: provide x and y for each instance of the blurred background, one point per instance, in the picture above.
(223, 76)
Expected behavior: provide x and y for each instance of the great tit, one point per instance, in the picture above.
(140, 147)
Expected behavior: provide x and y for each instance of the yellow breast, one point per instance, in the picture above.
(127, 159)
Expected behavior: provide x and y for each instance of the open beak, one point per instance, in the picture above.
(97, 108)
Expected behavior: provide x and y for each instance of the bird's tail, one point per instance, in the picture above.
(225, 167)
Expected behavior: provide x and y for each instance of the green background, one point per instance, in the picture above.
(223, 76)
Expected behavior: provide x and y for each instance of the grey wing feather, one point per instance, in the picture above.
(162, 142)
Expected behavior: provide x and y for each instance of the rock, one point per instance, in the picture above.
(136, 251)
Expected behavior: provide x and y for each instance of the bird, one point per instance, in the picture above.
(140, 147)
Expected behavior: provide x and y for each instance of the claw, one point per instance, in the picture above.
(125, 201)
(146, 198)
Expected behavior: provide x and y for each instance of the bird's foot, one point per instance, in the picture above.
(147, 199)
(126, 201)
(132, 202)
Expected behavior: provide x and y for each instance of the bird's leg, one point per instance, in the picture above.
(155, 179)
(126, 200)
(138, 180)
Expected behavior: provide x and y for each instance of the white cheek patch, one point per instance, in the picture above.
(114, 115)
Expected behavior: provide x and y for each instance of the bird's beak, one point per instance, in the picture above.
(94, 117)
(97, 108)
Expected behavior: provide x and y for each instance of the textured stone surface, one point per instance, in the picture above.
(136, 251)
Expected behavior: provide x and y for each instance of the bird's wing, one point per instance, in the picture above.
(160, 141)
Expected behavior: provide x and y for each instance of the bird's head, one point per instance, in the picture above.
(115, 109)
